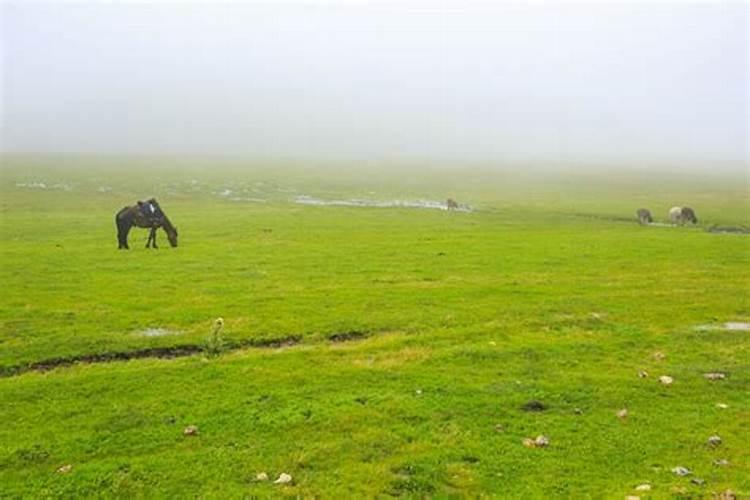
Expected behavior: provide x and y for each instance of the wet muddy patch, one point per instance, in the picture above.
(178, 351)
(348, 336)
(728, 229)
(104, 357)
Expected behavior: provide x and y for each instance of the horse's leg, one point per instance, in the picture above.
(153, 240)
(150, 236)
(122, 236)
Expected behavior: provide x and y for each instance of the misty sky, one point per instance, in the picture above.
(457, 81)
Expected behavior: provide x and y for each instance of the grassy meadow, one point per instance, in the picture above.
(547, 290)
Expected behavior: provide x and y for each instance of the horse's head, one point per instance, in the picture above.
(172, 236)
(689, 214)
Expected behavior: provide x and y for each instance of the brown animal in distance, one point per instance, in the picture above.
(451, 204)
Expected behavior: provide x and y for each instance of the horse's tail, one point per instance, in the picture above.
(122, 229)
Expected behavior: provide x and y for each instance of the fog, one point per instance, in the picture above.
(637, 84)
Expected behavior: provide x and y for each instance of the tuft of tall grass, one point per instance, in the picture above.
(215, 345)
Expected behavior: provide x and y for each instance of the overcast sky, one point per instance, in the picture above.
(463, 80)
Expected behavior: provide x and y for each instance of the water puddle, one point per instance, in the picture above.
(44, 185)
(359, 202)
(156, 332)
(729, 325)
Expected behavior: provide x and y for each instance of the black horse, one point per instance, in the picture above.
(146, 214)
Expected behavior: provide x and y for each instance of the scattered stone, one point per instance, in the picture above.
(190, 430)
(578, 411)
(622, 413)
(529, 443)
(534, 405)
(659, 356)
(681, 471)
(643, 374)
(698, 481)
(418, 392)
(261, 476)
(284, 478)
(727, 495)
(721, 462)
(714, 440)
(643, 487)
(715, 376)
(541, 441)
(723, 406)
(499, 428)
(65, 469)
(666, 379)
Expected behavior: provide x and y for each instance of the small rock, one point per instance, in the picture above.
(727, 495)
(681, 471)
(541, 441)
(622, 413)
(714, 440)
(578, 411)
(190, 430)
(715, 376)
(284, 478)
(643, 374)
(723, 406)
(534, 405)
(666, 379)
(721, 462)
(698, 481)
(261, 476)
(659, 356)
(499, 428)
(643, 487)
(65, 469)
(418, 392)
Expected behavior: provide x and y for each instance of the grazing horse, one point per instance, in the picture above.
(688, 214)
(680, 215)
(451, 204)
(147, 215)
(644, 216)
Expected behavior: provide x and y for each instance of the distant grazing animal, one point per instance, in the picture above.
(451, 204)
(688, 214)
(644, 216)
(146, 214)
(680, 215)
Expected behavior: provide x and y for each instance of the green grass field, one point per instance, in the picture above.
(549, 290)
